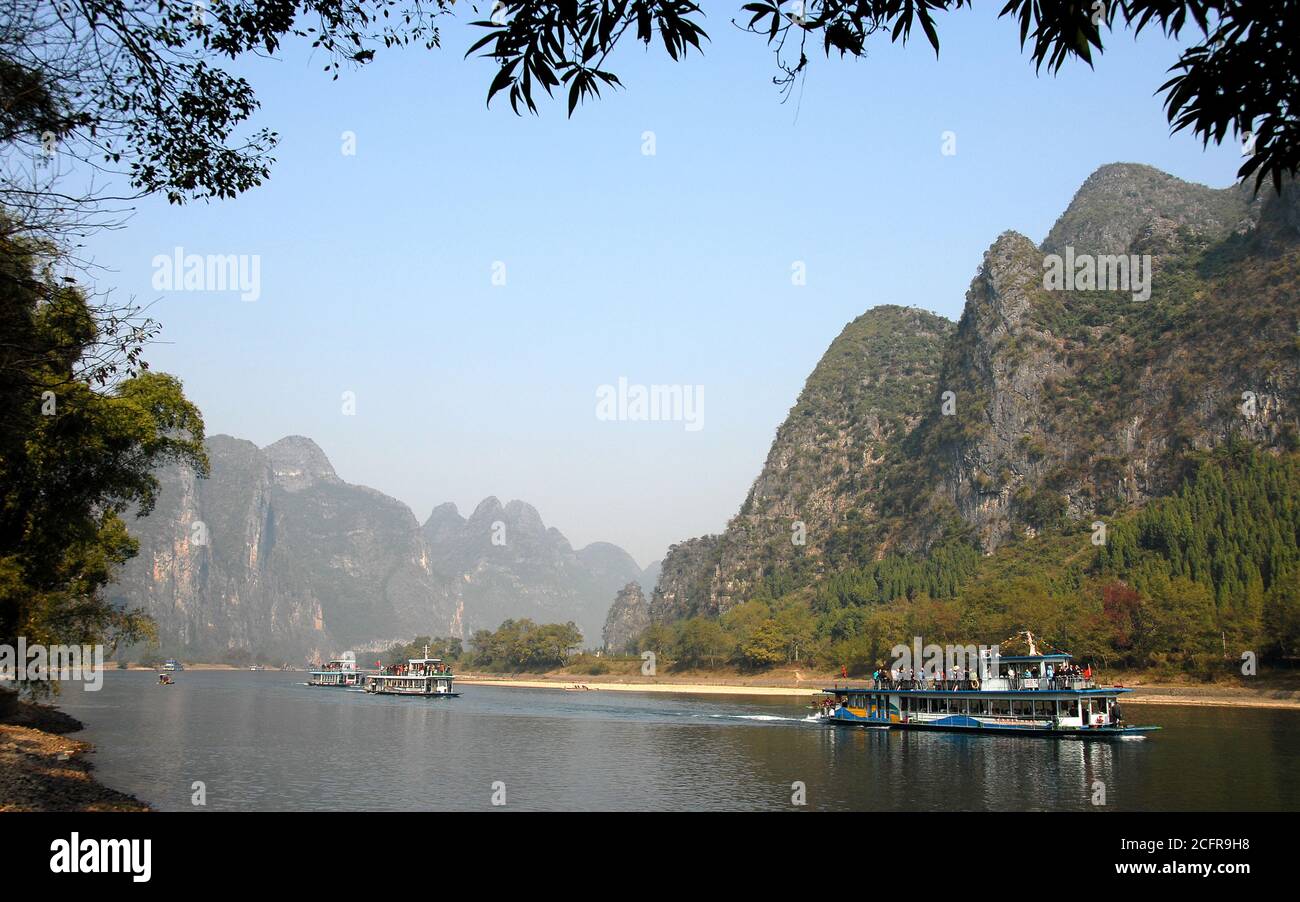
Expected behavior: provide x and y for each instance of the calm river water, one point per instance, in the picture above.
(264, 741)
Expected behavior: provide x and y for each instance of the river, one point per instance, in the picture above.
(266, 742)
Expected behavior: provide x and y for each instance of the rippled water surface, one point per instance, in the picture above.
(264, 741)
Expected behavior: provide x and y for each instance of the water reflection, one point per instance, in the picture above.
(263, 741)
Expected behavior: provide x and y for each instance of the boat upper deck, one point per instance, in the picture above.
(417, 667)
(941, 689)
(991, 672)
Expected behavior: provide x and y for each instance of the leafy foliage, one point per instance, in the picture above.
(522, 645)
(1189, 582)
(138, 87)
(73, 461)
(450, 649)
(1240, 78)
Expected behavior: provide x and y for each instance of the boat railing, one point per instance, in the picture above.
(1014, 683)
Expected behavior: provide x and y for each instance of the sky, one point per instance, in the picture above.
(440, 309)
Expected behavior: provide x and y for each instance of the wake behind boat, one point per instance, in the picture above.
(1042, 694)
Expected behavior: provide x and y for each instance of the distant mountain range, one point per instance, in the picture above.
(274, 554)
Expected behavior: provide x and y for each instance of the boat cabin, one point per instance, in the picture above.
(341, 673)
(1037, 692)
(424, 676)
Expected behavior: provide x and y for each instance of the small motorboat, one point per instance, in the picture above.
(165, 680)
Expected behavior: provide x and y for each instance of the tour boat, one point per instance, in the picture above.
(340, 673)
(1028, 694)
(425, 677)
(171, 664)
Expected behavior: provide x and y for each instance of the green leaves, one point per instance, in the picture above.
(555, 44)
(74, 460)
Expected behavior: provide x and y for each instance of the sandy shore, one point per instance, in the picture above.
(1141, 695)
(42, 770)
(1220, 698)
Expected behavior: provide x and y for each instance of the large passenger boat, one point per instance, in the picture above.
(340, 673)
(1037, 693)
(427, 677)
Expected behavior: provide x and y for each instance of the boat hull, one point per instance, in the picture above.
(1097, 733)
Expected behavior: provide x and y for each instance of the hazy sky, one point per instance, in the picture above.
(673, 268)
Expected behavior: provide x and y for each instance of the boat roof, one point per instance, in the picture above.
(424, 660)
(972, 693)
(1020, 659)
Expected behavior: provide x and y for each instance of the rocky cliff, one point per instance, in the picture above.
(273, 554)
(870, 389)
(1049, 400)
(628, 617)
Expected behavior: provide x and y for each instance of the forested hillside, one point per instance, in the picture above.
(1111, 466)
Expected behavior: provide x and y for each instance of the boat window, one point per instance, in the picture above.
(1000, 707)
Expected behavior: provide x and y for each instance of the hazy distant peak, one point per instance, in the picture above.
(524, 515)
(489, 508)
(298, 462)
(445, 513)
(222, 443)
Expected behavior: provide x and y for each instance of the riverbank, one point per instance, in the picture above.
(41, 769)
(806, 685)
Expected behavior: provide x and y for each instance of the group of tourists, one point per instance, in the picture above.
(956, 678)
(1064, 676)
(950, 679)
(417, 670)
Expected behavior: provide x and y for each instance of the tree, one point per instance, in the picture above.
(701, 640)
(796, 624)
(763, 647)
(137, 87)
(1282, 616)
(1243, 76)
(658, 638)
(140, 88)
(76, 459)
